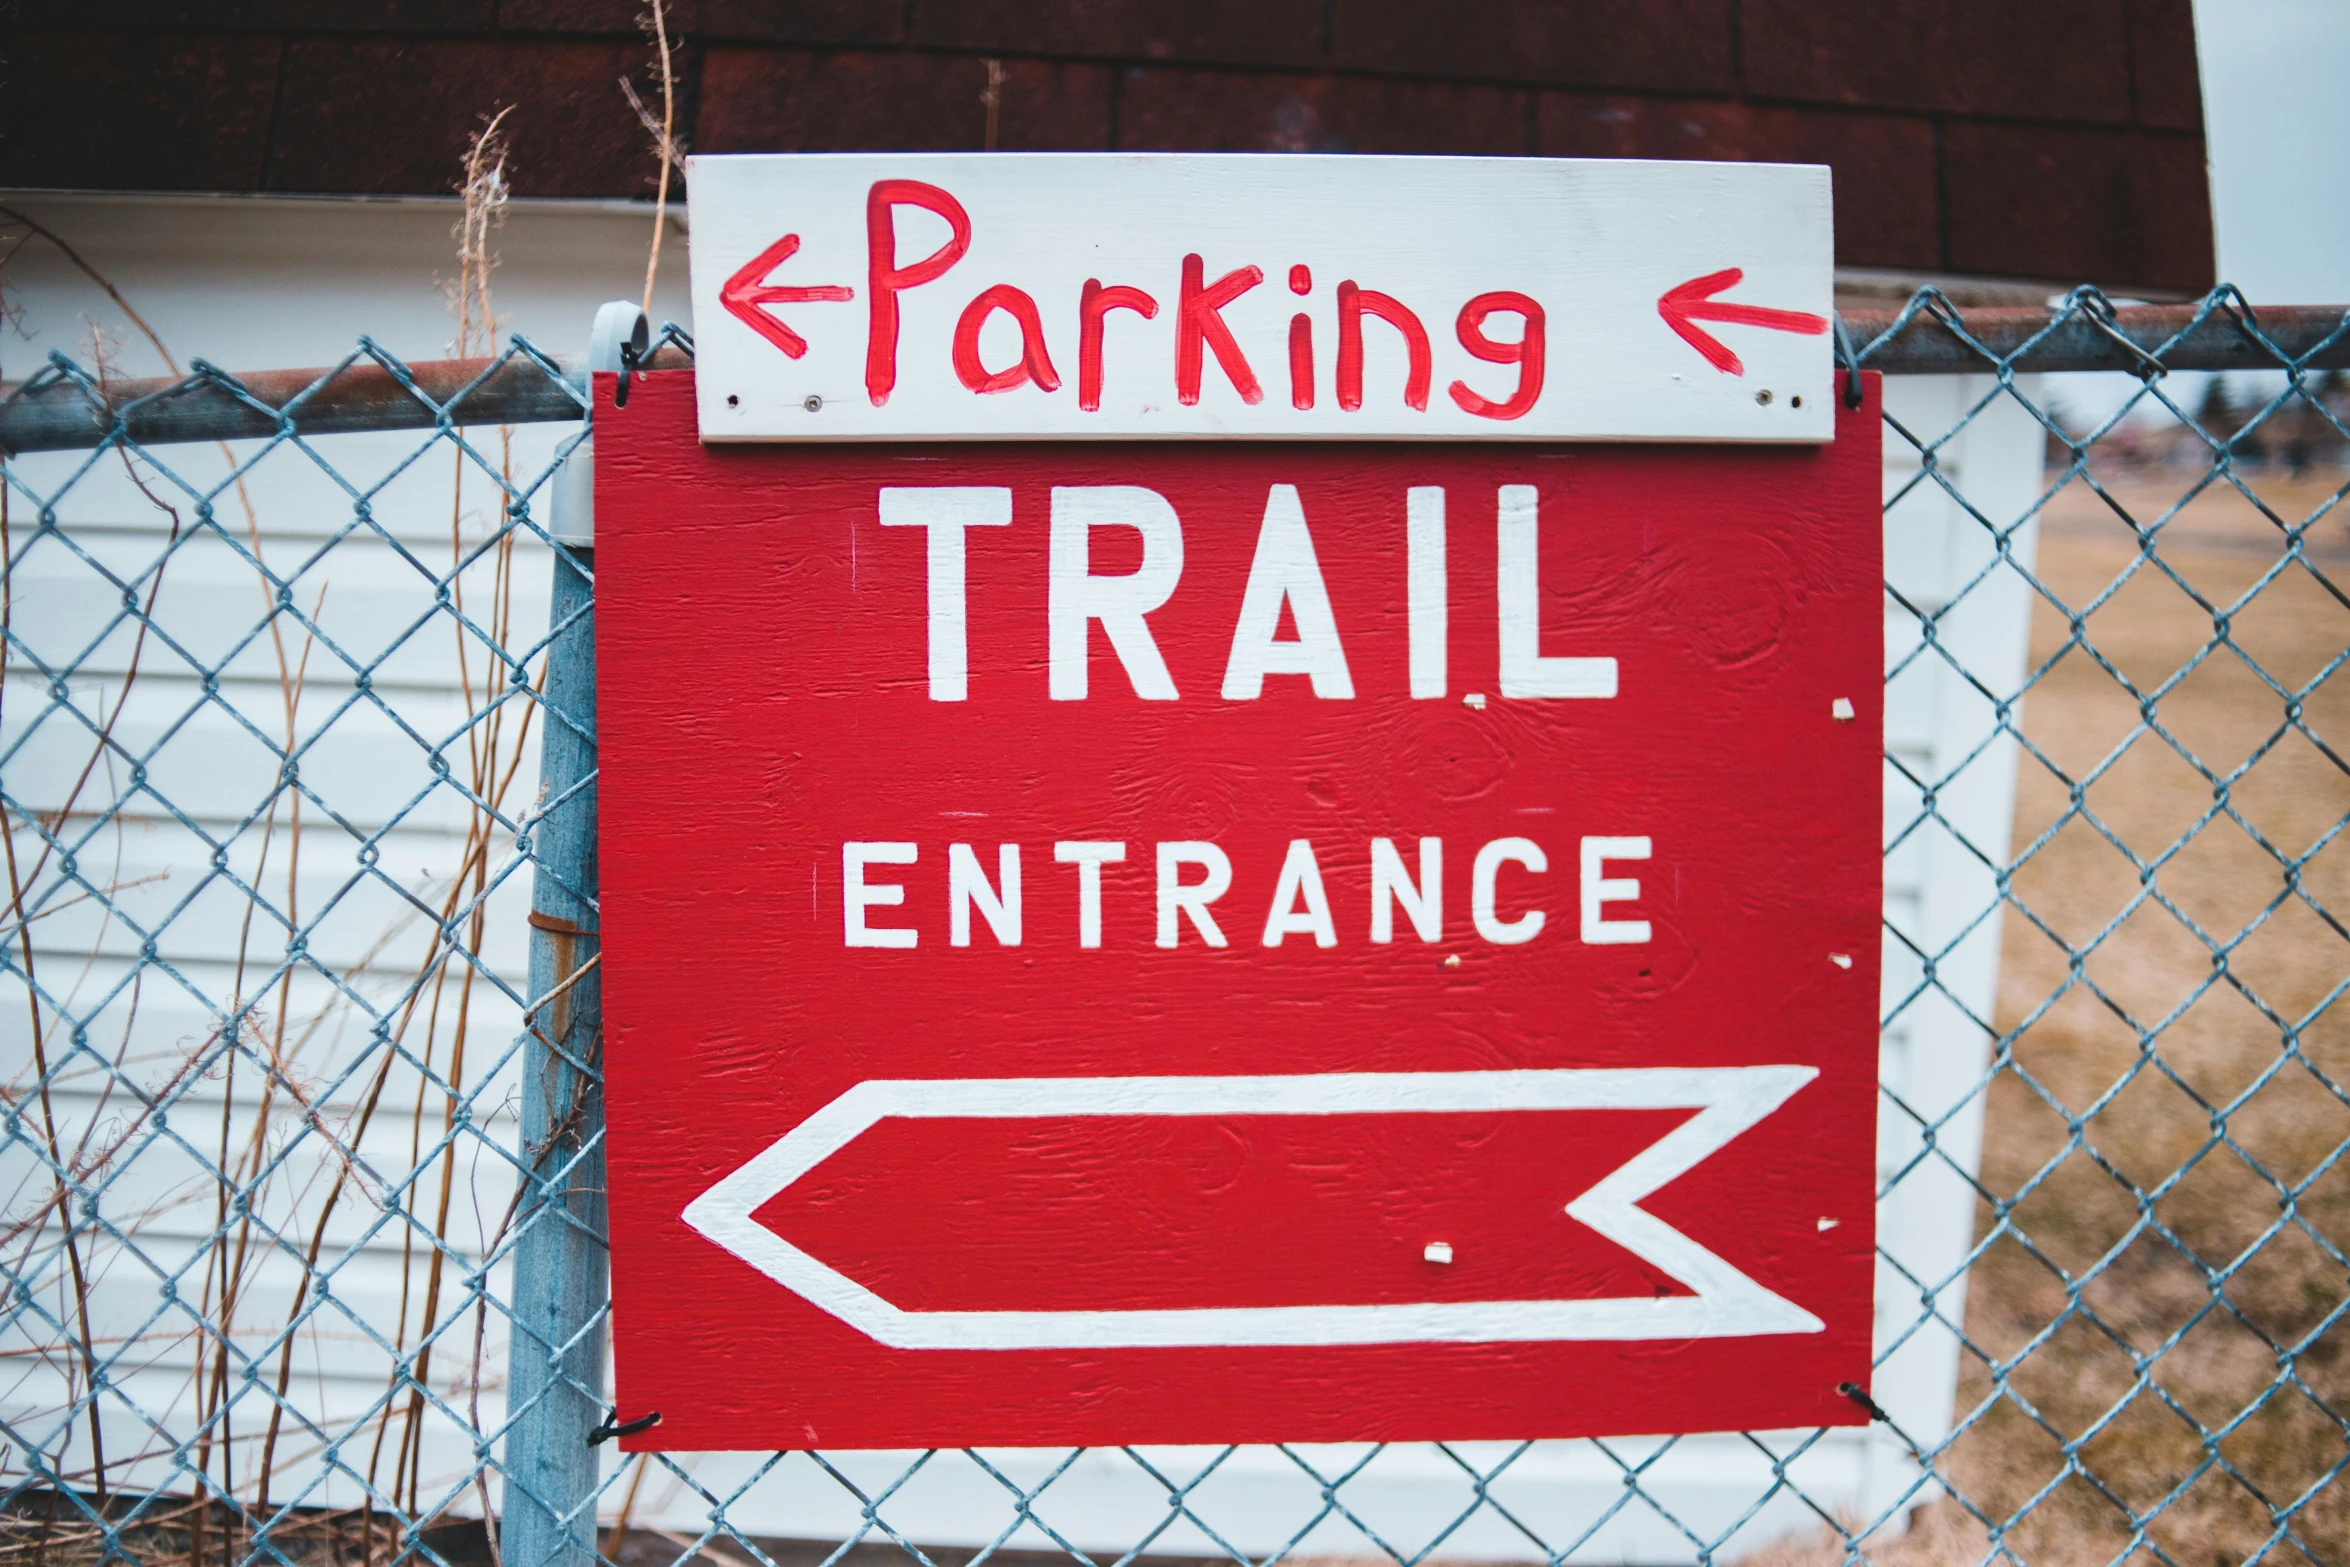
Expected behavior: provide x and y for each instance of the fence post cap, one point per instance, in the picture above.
(619, 324)
(571, 507)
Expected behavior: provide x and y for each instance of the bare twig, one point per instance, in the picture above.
(106, 891)
(485, 196)
(675, 150)
(613, 1540)
(16, 889)
(13, 215)
(663, 132)
(698, 1548)
(552, 996)
(101, 361)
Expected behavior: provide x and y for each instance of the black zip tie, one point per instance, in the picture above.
(612, 1428)
(1850, 361)
(1851, 1390)
(627, 369)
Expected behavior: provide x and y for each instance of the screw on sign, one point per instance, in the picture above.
(1211, 940)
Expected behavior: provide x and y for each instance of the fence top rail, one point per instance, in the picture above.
(1928, 336)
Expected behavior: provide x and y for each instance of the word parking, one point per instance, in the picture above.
(1115, 296)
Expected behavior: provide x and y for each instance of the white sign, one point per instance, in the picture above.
(1117, 296)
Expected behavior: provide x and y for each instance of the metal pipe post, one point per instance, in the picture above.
(555, 1377)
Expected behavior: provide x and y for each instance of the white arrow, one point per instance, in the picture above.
(1726, 1302)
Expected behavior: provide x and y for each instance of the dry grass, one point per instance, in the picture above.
(2149, 1281)
(41, 1529)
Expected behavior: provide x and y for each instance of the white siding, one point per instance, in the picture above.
(362, 534)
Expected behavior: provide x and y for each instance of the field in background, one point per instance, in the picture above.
(2195, 1043)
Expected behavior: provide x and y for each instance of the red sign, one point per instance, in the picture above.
(1236, 942)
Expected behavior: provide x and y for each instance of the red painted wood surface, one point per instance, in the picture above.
(766, 698)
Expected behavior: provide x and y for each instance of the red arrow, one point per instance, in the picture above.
(1693, 301)
(748, 290)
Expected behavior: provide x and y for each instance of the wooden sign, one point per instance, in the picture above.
(1201, 943)
(1115, 296)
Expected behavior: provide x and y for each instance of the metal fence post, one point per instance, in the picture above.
(562, 1276)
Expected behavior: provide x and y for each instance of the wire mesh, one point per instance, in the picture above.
(270, 754)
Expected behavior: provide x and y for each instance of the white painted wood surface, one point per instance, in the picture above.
(1942, 906)
(266, 284)
(1595, 243)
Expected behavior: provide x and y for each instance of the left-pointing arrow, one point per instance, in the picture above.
(1723, 1301)
(1685, 304)
(747, 294)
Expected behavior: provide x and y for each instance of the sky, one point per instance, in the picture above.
(2276, 126)
(2276, 111)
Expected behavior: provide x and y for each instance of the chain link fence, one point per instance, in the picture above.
(296, 750)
